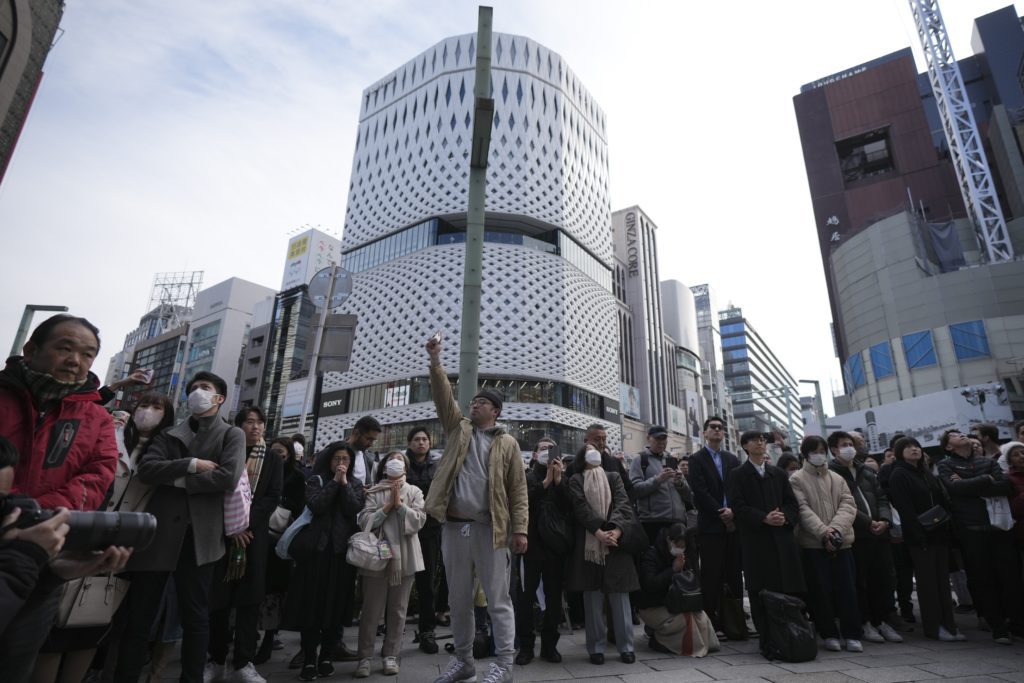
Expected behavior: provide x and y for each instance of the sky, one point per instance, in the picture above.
(196, 135)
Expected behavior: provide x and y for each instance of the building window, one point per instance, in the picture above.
(732, 355)
(881, 360)
(730, 342)
(865, 155)
(732, 327)
(919, 349)
(855, 369)
(969, 340)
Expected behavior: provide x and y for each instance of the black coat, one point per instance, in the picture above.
(655, 573)
(558, 494)
(420, 475)
(709, 489)
(912, 491)
(293, 497)
(618, 575)
(250, 589)
(872, 502)
(771, 555)
(967, 493)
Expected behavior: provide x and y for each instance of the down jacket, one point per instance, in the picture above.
(68, 454)
(825, 501)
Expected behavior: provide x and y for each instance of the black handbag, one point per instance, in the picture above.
(933, 517)
(790, 637)
(684, 593)
(730, 615)
(554, 529)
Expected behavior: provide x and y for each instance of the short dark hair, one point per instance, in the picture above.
(676, 532)
(298, 437)
(944, 441)
(812, 443)
(322, 464)
(750, 435)
(243, 415)
(204, 376)
(989, 430)
(367, 423)
(903, 444)
(382, 470)
(288, 444)
(416, 430)
(44, 330)
(8, 453)
(596, 426)
(150, 398)
(712, 418)
(835, 437)
(895, 437)
(786, 460)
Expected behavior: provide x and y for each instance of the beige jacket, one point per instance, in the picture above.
(825, 501)
(400, 526)
(506, 476)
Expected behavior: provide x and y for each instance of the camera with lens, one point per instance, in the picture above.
(88, 530)
(833, 538)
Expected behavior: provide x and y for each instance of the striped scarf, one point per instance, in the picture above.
(46, 390)
(254, 463)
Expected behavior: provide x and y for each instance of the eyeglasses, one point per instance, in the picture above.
(479, 402)
(717, 428)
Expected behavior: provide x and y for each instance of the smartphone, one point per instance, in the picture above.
(437, 337)
(148, 372)
(671, 462)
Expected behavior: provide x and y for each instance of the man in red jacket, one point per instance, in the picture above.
(48, 411)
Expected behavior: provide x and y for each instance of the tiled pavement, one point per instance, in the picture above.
(916, 659)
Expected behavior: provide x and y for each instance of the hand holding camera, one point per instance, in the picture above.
(48, 535)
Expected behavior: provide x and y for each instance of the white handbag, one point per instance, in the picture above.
(999, 514)
(280, 520)
(90, 601)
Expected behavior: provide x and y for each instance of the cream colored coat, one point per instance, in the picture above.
(825, 501)
(400, 526)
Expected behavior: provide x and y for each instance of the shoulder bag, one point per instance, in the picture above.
(90, 601)
(236, 507)
(684, 593)
(366, 551)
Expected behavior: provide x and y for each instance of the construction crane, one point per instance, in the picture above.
(965, 146)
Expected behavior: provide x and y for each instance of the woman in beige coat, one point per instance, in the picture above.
(393, 511)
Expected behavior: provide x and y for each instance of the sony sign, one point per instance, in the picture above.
(632, 250)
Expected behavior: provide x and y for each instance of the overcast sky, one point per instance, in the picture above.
(195, 135)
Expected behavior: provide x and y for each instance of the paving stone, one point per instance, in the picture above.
(968, 666)
(890, 674)
(724, 672)
(888, 660)
(678, 676)
(815, 677)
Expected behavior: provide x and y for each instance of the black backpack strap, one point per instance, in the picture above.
(645, 460)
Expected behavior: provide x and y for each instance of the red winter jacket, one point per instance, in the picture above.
(68, 458)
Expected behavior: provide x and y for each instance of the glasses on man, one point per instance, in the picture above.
(716, 427)
(479, 402)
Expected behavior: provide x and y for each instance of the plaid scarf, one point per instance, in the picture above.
(254, 463)
(46, 390)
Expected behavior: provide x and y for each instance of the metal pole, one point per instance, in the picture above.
(789, 411)
(318, 335)
(483, 116)
(26, 323)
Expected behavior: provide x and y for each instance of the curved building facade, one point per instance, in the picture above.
(548, 338)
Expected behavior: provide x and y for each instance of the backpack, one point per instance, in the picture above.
(791, 637)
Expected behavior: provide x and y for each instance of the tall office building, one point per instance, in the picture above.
(687, 407)
(765, 395)
(548, 337)
(917, 305)
(27, 31)
(715, 390)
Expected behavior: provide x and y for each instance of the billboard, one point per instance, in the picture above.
(677, 419)
(294, 395)
(694, 413)
(309, 252)
(926, 417)
(629, 401)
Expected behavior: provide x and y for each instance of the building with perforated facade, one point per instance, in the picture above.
(548, 337)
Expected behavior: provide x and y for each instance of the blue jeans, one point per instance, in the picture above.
(832, 591)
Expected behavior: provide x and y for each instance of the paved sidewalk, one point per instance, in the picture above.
(916, 659)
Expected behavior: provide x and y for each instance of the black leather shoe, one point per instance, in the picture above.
(428, 643)
(308, 673)
(341, 653)
(597, 658)
(264, 653)
(550, 654)
(627, 657)
(325, 668)
(525, 656)
(297, 660)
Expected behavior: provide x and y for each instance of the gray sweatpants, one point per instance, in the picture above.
(469, 546)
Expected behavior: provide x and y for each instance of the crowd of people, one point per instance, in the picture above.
(256, 535)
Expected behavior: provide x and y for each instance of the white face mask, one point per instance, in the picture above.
(200, 401)
(299, 450)
(395, 468)
(846, 454)
(593, 457)
(146, 419)
(816, 459)
(542, 457)
(677, 552)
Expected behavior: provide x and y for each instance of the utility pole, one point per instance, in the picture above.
(483, 118)
(26, 324)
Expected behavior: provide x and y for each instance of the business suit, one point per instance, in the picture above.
(718, 545)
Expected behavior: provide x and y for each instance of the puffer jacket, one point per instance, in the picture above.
(506, 478)
(869, 497)
(657, 501)
(825, 501)
(68, 454)
(967, 493)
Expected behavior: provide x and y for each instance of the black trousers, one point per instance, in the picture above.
(25, 634)
(246, 618)
(719, 564)
(931, 567)
(993, 577)
(147, 588)
(551, 568)
(904, 574)
(873, 560)
(430, 545)
(832, 591)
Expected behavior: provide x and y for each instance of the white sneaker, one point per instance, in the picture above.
(854, 645)
(457, 672)
(832, 645)
(390, 666)
(362, 669)
(214, 672)
(945, 636)
(889, 633)
(497, 673)
(871, 634)
(247, 674)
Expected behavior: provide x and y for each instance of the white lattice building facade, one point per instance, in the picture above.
(549, 337)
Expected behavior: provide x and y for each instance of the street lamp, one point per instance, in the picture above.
(26, 323)
(819, 409)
